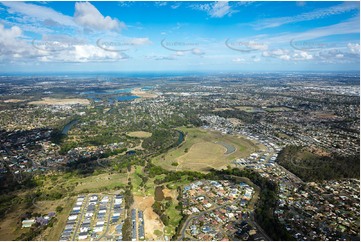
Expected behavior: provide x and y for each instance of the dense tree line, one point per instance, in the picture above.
(160, 140)
(312, 167)
(127, 226)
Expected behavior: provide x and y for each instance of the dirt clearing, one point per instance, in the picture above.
(152, 221)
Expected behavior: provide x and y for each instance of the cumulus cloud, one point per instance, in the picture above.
(288, 55)
(12, 46)
(303, 55)
(83, 53)
(50, 49)
(354, 48)
(89, 17)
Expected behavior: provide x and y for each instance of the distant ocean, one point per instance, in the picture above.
(169, 74)
(105, 74)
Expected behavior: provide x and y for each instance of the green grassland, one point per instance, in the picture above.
(199, 151)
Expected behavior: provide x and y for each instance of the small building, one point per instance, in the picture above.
(27, 223)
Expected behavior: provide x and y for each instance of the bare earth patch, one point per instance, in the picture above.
(223, 109)
(139, 134)
(170, 193)
(144, 94)
(61, 101)
(152, 221)
(13, 101)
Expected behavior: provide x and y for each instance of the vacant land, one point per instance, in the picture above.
(100, 182)
(249, 109)
(222, 109)
(152, 221)
(144, 94)
(201, 151)
(61, 101)
(13, 101)
(139, 134)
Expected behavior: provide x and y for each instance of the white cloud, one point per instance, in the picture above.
(339, 56)
(12, 46)
(354, 48)
(288, 55)
(238, 59)
(89, 17)
(316, 14)
(160, 4)
(285, 57)
(215, 10)
(140, 41)
(86, 53)
(83, 53)
(220, 9)
(275, 53)
(175, 5)
(36, 12)
(197, 51)
(350, 26)
(303, 55)
(50, 49)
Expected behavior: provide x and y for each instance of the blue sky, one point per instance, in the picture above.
(179, 36)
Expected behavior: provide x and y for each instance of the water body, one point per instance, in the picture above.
(105, 92)
(97, 94)
(126, 98)
(68, 126)
(180, 137)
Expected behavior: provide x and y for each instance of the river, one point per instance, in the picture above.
(68, 126)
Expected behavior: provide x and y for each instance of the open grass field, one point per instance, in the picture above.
(205, 149)
(53, 233)
(102, 181)
(249, 109)
(139, 134)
